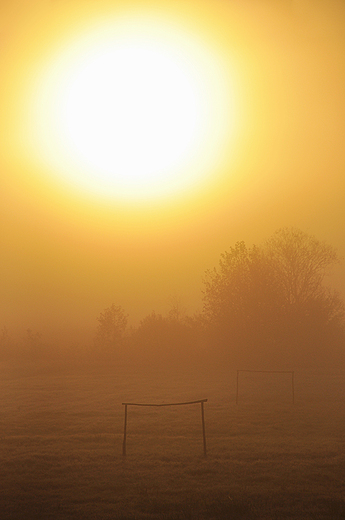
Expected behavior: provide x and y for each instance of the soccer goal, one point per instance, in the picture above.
(268, 372)
(200, 401)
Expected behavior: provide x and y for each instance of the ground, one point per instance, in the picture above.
(267, 458)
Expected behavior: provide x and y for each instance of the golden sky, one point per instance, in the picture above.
(269, 77)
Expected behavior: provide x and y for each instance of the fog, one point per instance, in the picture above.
(64, 258)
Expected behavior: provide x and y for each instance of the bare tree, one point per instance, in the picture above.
(300, 263)
(273, 296)
(112, 323)
(177, 310)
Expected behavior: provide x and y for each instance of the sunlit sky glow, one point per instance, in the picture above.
(135, 108)
(140, 139)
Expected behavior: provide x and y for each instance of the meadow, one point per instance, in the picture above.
(267, 458)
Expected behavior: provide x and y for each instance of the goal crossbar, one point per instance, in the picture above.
(165, 404)
(201, 401)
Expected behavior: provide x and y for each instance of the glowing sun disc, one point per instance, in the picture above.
(134, 111)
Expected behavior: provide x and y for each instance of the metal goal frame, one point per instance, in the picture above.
(201, 401)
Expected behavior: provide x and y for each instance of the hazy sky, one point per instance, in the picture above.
(65, 256)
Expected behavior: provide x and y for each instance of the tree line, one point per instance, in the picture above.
(264, 306)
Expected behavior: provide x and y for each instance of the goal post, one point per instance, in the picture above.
(201, 401)
(269, 372)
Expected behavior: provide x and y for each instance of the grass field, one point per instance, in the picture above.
(61, 448)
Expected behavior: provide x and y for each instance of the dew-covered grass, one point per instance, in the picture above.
(61, 447)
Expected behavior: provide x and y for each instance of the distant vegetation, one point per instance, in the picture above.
(264, 306)
(269, 304)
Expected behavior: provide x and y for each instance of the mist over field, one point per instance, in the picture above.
(172, 233)
(264, 306)
(263, 363)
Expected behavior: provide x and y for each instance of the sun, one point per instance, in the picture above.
(131, 113)
(135, 109)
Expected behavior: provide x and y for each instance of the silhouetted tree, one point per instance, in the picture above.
(166, 341)
(160, 335)
(177, 311)
(272, 298)
(300, 263)
(112, 323)
(313, 312)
